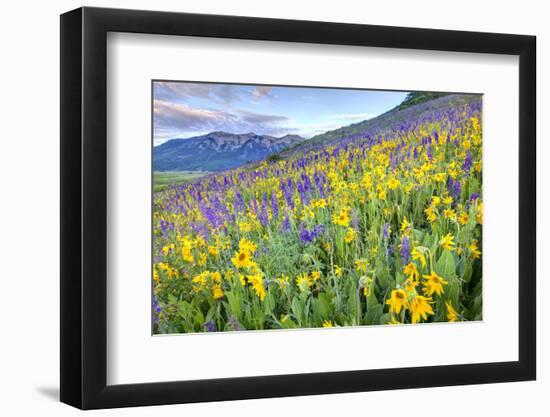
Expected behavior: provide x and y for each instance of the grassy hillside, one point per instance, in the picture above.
(162, 180)
(417, 98)
(412, 111)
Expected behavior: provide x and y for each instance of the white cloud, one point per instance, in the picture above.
(175, 120)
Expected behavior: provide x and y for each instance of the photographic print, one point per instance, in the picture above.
(286, 207)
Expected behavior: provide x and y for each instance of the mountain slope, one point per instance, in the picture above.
(217, 151)
(394, 119)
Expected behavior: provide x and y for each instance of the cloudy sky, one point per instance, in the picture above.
(183, 110)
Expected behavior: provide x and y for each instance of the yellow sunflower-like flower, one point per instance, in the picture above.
(350, 235)
(447, 242)
(452, 315)
(217, 292)
(463, 218)
(316, 275)
(411, 271)
(474, 249)
(342, 218)
(397, 301)
(242, 259)
(419, 256)
(433, 284)
(420, 307)
(257, 283)
(247, 246)
(213, 250)
(303, 281)
(393, 183)
(405, 224)
(327, 324)
(431, 213)
(361, 265)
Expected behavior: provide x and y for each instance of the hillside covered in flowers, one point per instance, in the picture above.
(380, 226)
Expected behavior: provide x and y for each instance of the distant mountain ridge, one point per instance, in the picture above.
(218, 151)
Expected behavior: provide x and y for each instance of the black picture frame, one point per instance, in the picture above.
(84, 207)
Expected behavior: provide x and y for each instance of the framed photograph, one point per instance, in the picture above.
(258, 208)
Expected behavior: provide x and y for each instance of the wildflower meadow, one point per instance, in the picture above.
(378, 227)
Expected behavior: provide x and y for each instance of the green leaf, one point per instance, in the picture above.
(297, 310)
(325, 306)
(446, 265)
(384, 318)
(467, 274)
(373, 315)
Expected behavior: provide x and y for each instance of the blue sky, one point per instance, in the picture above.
(183, 109)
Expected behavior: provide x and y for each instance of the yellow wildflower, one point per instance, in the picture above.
(257, 283)
(449, 214)
(433, 283)
(439, 177)
(350, 235)
(474, 250)
(341, 219)
(283, 281)
(420, 307)
(405, 224)
(393, 183)
(361, 265)
(213, 250)
(452, 315)
(479, 215)
(242, 259)
(417, 255)
(411, 271)
(303, 281)
(431, 214)
(397, 301)
(463, 218)
(447, 242)
(448, 200)
(217, 292)
(247, 246)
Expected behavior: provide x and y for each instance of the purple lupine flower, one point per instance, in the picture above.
(263, 216)
(285, 227)
(457, 189)
(319, 181)
(239, 203)
(405, 249)
(386, 231)
(286, 188)
(318, 230)
(450, 184)
(274, 206)
(210, 326)
(308, 236)
(473, 197)
(212, 217)
(157, 309)
(305, 235)
(467, 165)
